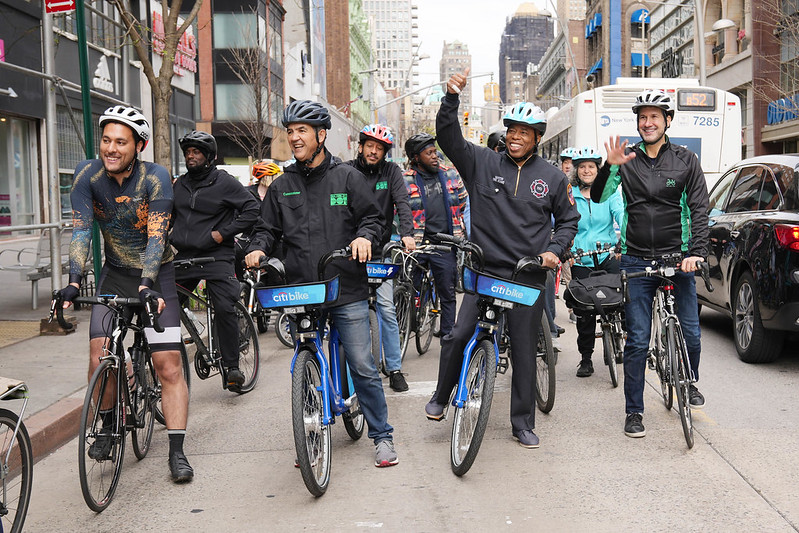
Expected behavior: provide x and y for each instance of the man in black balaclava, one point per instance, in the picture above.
(210, 208)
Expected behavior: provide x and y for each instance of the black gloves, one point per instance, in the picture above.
(68, 293)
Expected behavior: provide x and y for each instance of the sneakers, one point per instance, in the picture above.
(397, 381)
(634, 426)
(385, 455)
(561, 330)
(100, 449)
(235, 377)
(180, 468)
(695, 397)
(435, 410)
(585, 369)
(572, 317)
(526, 438)
(555, 344)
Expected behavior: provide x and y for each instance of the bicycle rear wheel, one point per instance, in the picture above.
(158, 412)
(545, 371)
(311, 436)
(470, 421)
(283, 330)
(249, 350)
(377, 346)
(681, 378)
(402, 305)
(144, 398)
(426, 316)
(15, 483)
(101, 446)
(353, 419)
(610, 353)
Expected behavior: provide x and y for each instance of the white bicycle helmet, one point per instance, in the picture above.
(130, 117)
(655, 98)
(586, 153)
(568, 153)
(526, 113)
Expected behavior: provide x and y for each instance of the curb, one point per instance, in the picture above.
(54, 426)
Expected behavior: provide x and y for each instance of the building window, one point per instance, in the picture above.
(235, 30)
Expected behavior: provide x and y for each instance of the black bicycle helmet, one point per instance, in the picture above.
(201, 140)
(496, 141)
(307, 112)
(417, 143)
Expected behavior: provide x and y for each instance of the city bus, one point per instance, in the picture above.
(707, 121)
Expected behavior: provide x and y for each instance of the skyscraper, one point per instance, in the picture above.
(526, 38)
(455, 58)
(394, 26)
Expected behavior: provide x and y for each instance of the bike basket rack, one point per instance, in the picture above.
(504, 290)
(297, 296)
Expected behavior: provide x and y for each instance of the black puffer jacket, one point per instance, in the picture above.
(315, 214)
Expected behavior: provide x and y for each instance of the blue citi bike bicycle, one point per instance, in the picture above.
(321, 387)
(481, 357)
(377, 274)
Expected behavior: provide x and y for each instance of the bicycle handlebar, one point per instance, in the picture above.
(528, 263)
(465, 245)
(329, 257)
(150, 308)
(186, 263)
(666, 272)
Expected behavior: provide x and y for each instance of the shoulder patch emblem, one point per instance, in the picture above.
(570, 193)
(539, 188)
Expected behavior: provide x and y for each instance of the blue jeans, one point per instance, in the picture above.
(639, 322)
(352, 322)
(389, 330)
(549, 306)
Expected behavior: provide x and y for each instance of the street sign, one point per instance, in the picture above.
(59, 6)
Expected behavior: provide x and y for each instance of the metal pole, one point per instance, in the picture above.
(51, 136)
(700, 29)
(83, 57)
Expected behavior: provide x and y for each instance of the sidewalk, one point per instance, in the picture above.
(54, 367)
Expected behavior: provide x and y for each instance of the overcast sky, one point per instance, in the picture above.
(478, 23)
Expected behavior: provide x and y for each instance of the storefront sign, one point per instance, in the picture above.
(186, 54)
(783, 110)
(102, 76)
(672, 63)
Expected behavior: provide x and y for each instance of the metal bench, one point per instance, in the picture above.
(33, 263)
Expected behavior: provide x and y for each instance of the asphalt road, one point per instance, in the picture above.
(586, 476)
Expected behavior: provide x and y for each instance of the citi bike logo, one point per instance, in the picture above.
(290, 297)
(379, 271)
(507, 292)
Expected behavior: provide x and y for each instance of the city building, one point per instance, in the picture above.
(395, 30)
(524, 42)
(562, 70)
(361, 74)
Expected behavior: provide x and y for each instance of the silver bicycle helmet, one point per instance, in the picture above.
(307, 112)
(655, 98)
(568, 153)
(130, 117)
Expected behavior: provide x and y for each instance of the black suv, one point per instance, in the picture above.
(754, 253)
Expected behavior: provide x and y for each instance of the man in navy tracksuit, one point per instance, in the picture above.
(211, 207)
(513, 195)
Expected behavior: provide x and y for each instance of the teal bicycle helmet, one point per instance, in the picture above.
(526, 113)
(586, 153)
(568, 153)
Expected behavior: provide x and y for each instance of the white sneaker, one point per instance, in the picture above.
(556, 345)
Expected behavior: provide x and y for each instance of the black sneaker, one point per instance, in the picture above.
(235, 378)
(434, 410)
(634, 426)
(695, 397)
(397, 381)
(585, 369)
(561, 330)
(100, 449)
(180, 468)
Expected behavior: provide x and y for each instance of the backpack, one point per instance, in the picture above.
(597, 293)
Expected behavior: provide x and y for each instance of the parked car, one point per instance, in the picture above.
(754, 253)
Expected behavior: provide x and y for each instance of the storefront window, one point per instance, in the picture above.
(18, 172)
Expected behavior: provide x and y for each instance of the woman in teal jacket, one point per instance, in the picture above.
(596, 225)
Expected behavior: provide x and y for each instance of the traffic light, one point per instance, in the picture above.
(481, 138)
(465, 118)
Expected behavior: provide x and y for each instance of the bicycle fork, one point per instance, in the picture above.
(481, 332)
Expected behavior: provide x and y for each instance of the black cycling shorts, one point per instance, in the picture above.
(126, 284)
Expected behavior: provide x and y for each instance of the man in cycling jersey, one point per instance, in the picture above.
(131, 200)
(210, 208)
(514, 197)
(666, 201)
(321, 204)
(438, 202)
(385, 179)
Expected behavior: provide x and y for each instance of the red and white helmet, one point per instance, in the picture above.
(377, 132)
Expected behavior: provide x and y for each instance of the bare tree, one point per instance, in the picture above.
(143, 39)
(773, 79)
(253, 132)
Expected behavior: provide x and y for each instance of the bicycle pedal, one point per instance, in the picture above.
(435, 311)
(502, 365)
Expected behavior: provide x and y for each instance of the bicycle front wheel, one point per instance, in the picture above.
(426, 316)
(283, 330)
(402, 304)
(311, 435)
(545, 371)
(249, 350)
(144, 398)
(610, 353)
(15, 483)
(101, 441)
(681, 378)
(470, 421)
(377, 347)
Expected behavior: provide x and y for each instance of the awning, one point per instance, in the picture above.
(597, 66)
(640, 16)
(597, 20)
(636, 60)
